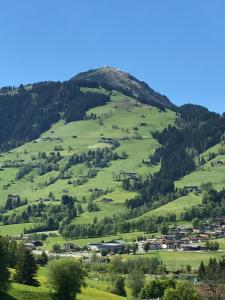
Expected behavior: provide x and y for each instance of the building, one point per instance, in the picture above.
(191, 247)
(113, 246)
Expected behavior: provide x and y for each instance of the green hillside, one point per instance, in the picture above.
(207, 172)
(202, 175)
(124, 120)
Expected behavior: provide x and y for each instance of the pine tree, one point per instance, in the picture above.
(119, 286)
(4, 271)
(201, 271)
(26, 267)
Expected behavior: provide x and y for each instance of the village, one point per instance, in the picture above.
(181, 238)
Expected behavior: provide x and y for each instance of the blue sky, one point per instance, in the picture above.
(177, 46)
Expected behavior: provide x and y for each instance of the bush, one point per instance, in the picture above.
(66, 277)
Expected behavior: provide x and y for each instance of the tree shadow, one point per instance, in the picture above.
(4, 296)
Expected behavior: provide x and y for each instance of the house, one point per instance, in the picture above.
(111, 247)
(94, 246)
(191, 247)
(192, 189)
(30, 246)
(168, 245)
(106, 200)
(121, 242)
(37, 243)
(154, 246)
(217, 163)
(132, 175)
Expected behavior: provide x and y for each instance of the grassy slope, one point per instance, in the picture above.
(206, 173)
(176, 206)
(23, 292)
(14, 229)
(116, 120)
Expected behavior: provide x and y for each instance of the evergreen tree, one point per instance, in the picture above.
(119, 286)
(4, 271)
(146, 247)
(12, 249)
(136, 281)
(201, 270)
(26, 268)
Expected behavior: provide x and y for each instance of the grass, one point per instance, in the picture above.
(175, 207)
(24, 292)
(221, 242)
(179, 259)
(206, 173)
(14, 229)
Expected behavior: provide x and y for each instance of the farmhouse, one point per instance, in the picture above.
(217, 163)
(192, 189)
(106, 200)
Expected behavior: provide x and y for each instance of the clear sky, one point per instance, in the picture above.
(176, 46)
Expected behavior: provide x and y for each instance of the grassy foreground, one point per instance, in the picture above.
(23, 292)
(26, 292)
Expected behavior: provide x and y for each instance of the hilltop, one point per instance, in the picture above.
(28, 111)
(115, 79)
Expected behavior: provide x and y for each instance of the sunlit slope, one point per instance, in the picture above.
(122, 119)
(209, 172)
(206, 173)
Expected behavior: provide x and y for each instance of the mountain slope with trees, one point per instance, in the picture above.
(117, 153)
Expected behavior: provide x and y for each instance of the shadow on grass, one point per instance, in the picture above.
(4, 296)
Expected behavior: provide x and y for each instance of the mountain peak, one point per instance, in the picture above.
(117, 79)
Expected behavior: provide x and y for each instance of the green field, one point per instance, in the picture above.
(175, 260)
(175, 207)
(206, 173)
(14, 229)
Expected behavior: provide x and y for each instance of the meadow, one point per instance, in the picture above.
(175, 260)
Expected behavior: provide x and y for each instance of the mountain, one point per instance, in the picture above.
(126, 155)
(112, 78)
(27, 111)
